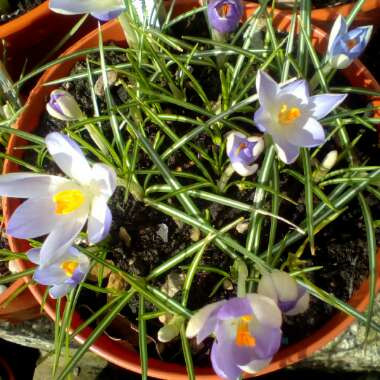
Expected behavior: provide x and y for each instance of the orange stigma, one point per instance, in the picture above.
(240, 148)
(224, 10)
(288, 115)
(351, 43)
(69, 267)
(243, 335)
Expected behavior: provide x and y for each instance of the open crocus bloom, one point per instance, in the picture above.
(224, 15)
(63, 106)
(63, 274)
(103, 10)
(290, 297)
(345, 46)
(290, 115)
(59, 206)
(243, 151)
(248, 333)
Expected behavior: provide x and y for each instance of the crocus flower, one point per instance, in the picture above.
(247, 330)
(59, 206)
(345, 46)
(103, 10)
(290, 297)
(243, 151)
(224, 15)
(290, 115)
(63, 106)
(63, 274)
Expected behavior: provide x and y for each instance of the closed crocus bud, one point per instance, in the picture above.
(224, 15)
(345, 46)
(243, 151)
(291, 298)
(63, 106)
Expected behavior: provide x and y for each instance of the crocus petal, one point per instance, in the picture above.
(340, 61)
(322, 105)
(311, 134)
(28, 185)
(34, 255)
(298, 88)
(339, 28)
(106, 16)
(61, 238)
(235, 307)
(33, 218)
(59, 291)
(51, 275)
(198, 320)
(71, 7)
(244, 170)
(262, 119)
(222, 361)
(286, 152)
(268, 341)
(267, 89)
(265, 310)
(99, 220)
(69, 157)
(105, 179)
(301, 306)
(255, 365)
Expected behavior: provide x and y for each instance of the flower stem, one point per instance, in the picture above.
(242, 271)
(228, 172)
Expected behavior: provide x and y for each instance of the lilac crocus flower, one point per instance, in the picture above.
(63, 106)
(345, 46)
(63, 274)
(290, 297)
(290, 115)
(59, 206)
(224, 15)
(103, 10)
(243, 151)
(247, 330)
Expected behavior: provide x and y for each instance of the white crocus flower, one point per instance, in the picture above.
(103, 10)
(59, 206)
(291, 116)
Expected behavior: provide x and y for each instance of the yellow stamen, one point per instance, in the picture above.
(243, 335)
(68, 201)
(240, 148)
(224, 10)
(69, 267)
(351, 43)
(287, 116)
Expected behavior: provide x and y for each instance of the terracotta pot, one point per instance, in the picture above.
(113, 351)
(368, 15)
(21, 308)
(34, 34)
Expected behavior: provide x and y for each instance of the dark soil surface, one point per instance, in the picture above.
(17, 8)
(341, 248)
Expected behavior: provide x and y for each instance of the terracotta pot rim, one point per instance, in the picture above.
(20, 22)
(113, 351)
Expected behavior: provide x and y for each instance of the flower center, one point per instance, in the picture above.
(288, 115)
(224, 10)
(243, 335)
(69, 267)
(351, 43)
(240, 148)
(68, 201)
